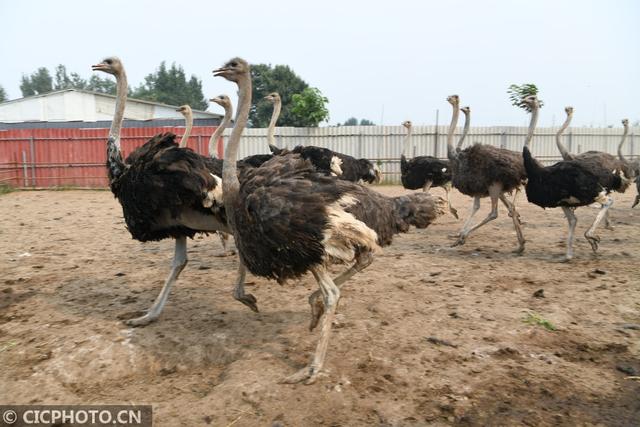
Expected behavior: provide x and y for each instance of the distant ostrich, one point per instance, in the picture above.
(483, 170)
(288, 219)
(187, 112)
(567, 184)
(634, 166)
(424, 171)
(165, 191)
(274, 98)
(618, 166)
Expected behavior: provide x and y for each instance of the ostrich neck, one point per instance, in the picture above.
(230, 182)
(188, 118)
(561, 147)
(465, 131)
(451, 152)
(121, 101)
(213, 141)
(277, 105)
(624, 138)
(532, 126)
(407, 140)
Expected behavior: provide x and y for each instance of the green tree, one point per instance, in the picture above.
(170, 86)
(351, 121)
(101, 85)
(267, 79)
(37, 83)
(3, 95)
(517, 94)
(365, 122)
(309, 108)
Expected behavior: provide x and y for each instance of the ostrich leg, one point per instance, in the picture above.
(238, 292)
(474, 209)
(224, 240)
(515, 216)
(317, 306)
(177, 265)
(571, 218)
(447, 190)
(590, 233)
(495, 191)
(331, 295)
(607, 223)
(427, 186)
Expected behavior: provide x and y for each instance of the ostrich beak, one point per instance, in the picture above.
(99, 67)
(220, 71)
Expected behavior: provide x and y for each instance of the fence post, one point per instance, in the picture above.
(25, 171)
(435, 136)
(32, 156)
(200, 144)
(359, 143)
(503, 138)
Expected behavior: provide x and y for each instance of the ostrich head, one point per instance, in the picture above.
(111, 65)
(222, 100)
(273, 97)
(532, 102)
(625, 122)
(185, 110)
(466, 109)
(453, 100)
(234, 70)
(407, 124)
(568, 110)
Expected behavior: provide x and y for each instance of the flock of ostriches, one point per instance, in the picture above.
(301, 210)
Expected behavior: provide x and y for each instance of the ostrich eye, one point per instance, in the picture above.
(108, 61)
(234, 64)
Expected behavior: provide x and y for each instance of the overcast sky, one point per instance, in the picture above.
(386, 61)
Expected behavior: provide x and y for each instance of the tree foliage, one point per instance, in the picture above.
(517, 94)
(3, 95)
(352, 121)
(308, 108)
(64, 80)
(37, 83)
(170, 86)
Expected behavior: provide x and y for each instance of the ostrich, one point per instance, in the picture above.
(483, 170)
(288, 219)
(567, 184)
(634, 166)
(187, 112)
(467, 122)
(618, 166)
(274, 98)
(424, 171)
(165, 191)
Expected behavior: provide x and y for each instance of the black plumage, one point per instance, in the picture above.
(418, 171)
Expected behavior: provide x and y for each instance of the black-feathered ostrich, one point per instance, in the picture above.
(165, 191)
(484, 170)
(619, 166)
(424, 171)
(187, 113)
(567, 184)
(288, 219)
(325, 160)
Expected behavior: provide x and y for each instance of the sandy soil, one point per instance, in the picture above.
(427, 335)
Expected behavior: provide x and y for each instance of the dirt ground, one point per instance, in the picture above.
(427, 335)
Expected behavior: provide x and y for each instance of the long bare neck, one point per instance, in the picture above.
(188, 119)
(213, 141)
(624, 138)
(121, 101)
(277, 105)
(465, 131)
(532, 125)
(561, 147)
(407, 141)
(451, 152)
(230, 182)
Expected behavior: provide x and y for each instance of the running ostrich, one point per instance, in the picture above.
(568, 184)
(165, 191)
(341, 165)
(288, 219)
(187, 112)
(483, 170)
(618, 166)
(424, 171)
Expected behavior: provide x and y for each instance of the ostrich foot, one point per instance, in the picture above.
(519, 250)
(317, 309)
(566, 258)
(609, 227)
(461, 240)
(141, 321)
(454, 212)
(308, 374)
(248, 300)
(593, 241)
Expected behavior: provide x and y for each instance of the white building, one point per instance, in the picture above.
(72, 105)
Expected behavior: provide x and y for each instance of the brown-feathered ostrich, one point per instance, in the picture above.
(164, 190)
(424, 171)
(567, 184)
(484, 170)
(187, 112)
(288, 219)
(617, 166)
